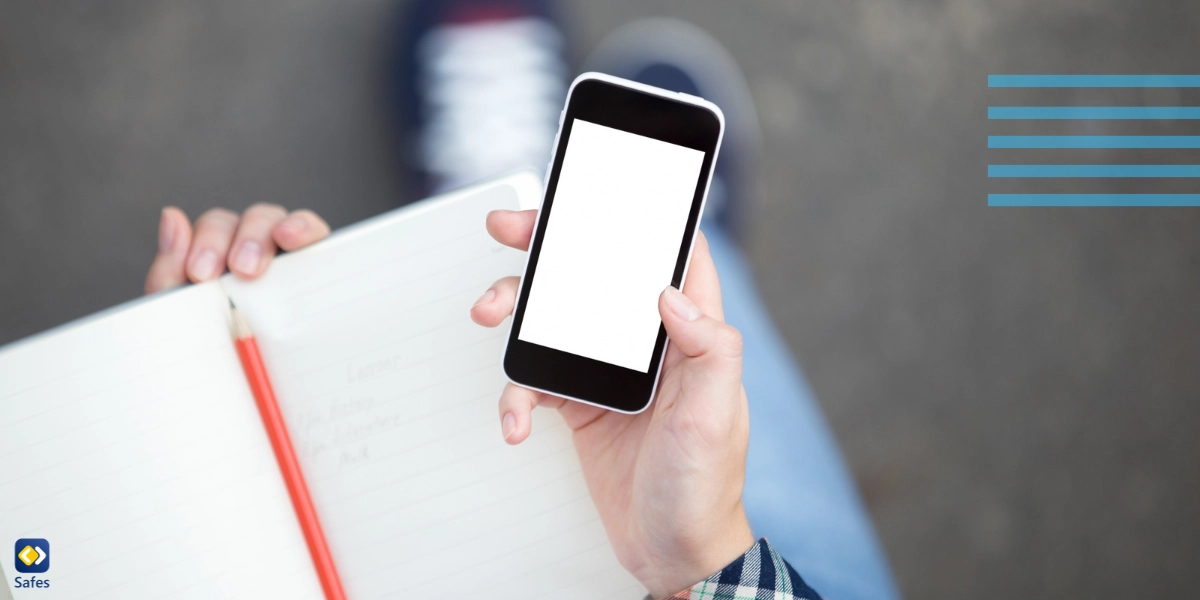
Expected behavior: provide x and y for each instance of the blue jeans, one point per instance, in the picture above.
(798, 494)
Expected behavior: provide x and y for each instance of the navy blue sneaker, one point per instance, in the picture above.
(481, 85)
(680, 57)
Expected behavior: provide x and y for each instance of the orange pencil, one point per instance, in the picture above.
(264, 396)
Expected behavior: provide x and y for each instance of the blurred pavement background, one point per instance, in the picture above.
(1015, 389)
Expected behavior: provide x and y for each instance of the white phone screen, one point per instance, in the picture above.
(610, 246)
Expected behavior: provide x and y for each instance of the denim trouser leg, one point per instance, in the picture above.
(799, 494)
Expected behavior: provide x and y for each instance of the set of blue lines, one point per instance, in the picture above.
(1093, 141)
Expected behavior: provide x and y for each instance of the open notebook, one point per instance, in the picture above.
(130, 440)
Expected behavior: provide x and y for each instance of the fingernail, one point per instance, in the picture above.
(204, 267)
(510, 425)
(487, 297)
(681, 305)
(293, 224)
(247, 257)
(166, 234)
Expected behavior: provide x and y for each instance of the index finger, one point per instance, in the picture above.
(513, 228)
(301, 228)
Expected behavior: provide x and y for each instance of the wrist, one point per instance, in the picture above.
(695, 562)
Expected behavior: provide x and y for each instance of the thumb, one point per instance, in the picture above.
(696, 334)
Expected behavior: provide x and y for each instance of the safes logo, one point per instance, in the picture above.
(31, 555)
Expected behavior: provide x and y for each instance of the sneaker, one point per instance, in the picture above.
(482, 83)
(681, 57)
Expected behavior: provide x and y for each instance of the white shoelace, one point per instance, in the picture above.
(493, 91)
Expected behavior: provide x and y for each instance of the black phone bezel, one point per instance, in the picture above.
(675, 121)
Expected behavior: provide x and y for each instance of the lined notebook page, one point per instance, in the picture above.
(131, 443)
(390, 393)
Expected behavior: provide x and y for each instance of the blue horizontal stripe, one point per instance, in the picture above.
(1093, 141)
(1093, 81)
(1094, 112)
(1093, 199)
(1093, 170)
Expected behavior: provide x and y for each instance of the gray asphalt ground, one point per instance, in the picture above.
(1014, 389)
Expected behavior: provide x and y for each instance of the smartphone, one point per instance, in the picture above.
(625, 190)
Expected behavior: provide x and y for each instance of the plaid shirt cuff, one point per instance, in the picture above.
(760, 573)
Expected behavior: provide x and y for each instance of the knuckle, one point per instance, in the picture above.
(730, 341)
(217, 216)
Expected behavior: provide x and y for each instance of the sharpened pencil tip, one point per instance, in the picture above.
(241, 328)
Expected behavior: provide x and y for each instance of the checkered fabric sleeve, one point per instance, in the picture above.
(759, 574)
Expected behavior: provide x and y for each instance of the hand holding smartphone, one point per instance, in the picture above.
(617, 226)
(624, 194)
